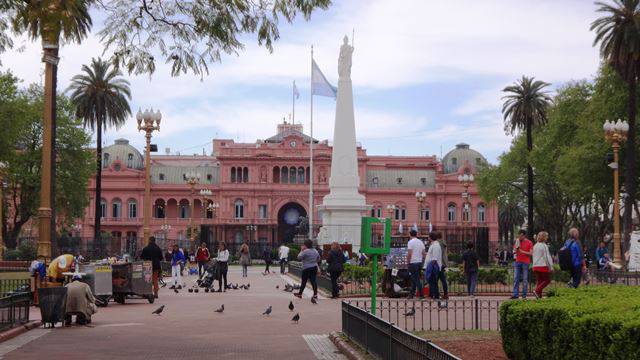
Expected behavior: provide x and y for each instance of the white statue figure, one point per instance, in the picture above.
(344, 61)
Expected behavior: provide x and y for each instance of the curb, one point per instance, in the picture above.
(345, 348)
(11, 333)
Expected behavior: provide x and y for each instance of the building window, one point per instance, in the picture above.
(159, 209)
(116, 209)
(292, 175)
(478, 161)
(373, 212)
(481, 213)
(466, 212)
(379, 211)
(239, 209)
(276, 174)
(284, 175)
(233, 174)
(374, 182)
(454, 161)
(184, 210)
(209, 177)
(106, 160)
(103, 208)
(245, 175)
(301, 175)
(423, 181)
(184, 177)
(451, 213)
(133, 209)
(426, 214)
(130, 160)
(117, 167)
(399, 181)
(161, 176)
(400, 213)
(403, 214)
(262, 211)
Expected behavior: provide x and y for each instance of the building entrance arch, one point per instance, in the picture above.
(289, 217)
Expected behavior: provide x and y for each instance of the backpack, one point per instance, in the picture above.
(564, 257)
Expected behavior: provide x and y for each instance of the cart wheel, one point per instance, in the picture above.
(119, 298)
(151, 299)
(103, 301)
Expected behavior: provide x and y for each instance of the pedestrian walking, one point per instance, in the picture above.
(223, 265)
(245, 259)
(335, 262)
(266, 256)
(577, 266)
(415, 255)
(283, 256)
(522, 249)
(202, 257)
(309, 258)
(177, 262)
(542, 263)
(153, 253)
(471, 264)
(442, 275)
(432, 266)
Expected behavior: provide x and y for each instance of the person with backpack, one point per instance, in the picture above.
(542, 263)
(522, 249)
(471, 265)
(571, 258)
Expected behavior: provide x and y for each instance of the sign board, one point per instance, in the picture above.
(375, 235)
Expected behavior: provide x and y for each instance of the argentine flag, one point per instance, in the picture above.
(319, 84)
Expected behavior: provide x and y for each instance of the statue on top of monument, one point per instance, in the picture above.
(344, 61)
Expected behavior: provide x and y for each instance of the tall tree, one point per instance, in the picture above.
(50, 20)
(618, 33)
(101, 98)
(525, 107)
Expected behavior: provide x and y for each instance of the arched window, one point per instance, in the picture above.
(481, 213)
(451, 212)
(159, 209)
(276, 174)
(133, 208)
(401, 212)
(116, 208)
(426, 214)
(130, 160)
(233, 174)
(239, 209)
(245, 175)
(308, 174)
(466, 212)
(292, 175)
(105, 161)
(301, 175)
(184, 209)
(103, 208)
(284, 175)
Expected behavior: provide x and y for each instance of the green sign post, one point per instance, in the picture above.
(375, 239)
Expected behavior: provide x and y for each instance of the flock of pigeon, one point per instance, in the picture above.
(287, 288)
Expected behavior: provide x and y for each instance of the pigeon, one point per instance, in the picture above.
(190, 290)
(277, 287)
(291, 305)
(268, 311)
(196, 290)
(247, 286)
(163, 285)
(295, 318)
(206, 290)
(176, 291)
(220, 309)
(411, 312)
(235, 287)
(158, 310)
(313, 300)
(296, 287)
(288, 288)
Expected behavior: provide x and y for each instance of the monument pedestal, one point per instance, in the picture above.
(342, 223)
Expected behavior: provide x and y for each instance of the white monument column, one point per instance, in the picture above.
(343, 208)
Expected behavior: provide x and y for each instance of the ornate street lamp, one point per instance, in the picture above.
(148, 122)
(193, 179)
(3, 166)
(420, 197)
(466, 180)
(616, 133)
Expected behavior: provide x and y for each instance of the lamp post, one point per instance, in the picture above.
(205, 193)
(466, 180)
(193, 178)
(146, 123)
(616, 133)
(251, 229)
(420, 196)
(165, 230)
(2, 167)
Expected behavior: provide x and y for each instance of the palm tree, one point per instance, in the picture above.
(618, 33)
(526, 106)
(101, 98)
(50, 20)
(509, 216)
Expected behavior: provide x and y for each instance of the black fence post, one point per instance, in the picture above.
(477, 327)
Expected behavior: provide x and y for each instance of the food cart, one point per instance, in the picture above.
(99, 278)
(132, 280)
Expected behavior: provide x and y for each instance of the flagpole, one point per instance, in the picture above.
(311, 154)
(293, 103)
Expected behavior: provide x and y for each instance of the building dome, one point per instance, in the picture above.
(461, 154)
(125, 153)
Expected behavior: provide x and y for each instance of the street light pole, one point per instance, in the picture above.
(146, 124)
(616, 133)
(193, 179)
(2, 167)
(420, 196)
(466, 181)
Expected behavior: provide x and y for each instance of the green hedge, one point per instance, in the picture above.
(361, 273)
(599, 322)
(486, 275)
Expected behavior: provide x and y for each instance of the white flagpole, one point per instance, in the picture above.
(293, 103)
(311, 155)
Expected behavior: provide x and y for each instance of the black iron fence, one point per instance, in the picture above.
(437, 315)
(384, 340)
(14, 310)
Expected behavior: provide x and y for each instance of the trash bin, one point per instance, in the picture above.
(52, 304)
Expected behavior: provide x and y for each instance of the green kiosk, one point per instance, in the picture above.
(375, 239)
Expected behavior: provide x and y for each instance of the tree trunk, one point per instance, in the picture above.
(529, 183)
(630, 160)
(98, 197)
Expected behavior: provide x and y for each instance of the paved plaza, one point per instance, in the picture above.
(188, 328)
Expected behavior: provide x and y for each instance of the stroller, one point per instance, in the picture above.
(210, 274)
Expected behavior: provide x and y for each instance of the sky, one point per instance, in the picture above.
(427, 74)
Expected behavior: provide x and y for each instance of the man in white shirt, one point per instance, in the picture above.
(434, 254)
(415, 258)
(283, 256)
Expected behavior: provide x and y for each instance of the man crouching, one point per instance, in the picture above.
(80, 302)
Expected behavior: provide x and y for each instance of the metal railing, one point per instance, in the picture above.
(438, 315)
(11, 286)
(385, 340)
(14, 310)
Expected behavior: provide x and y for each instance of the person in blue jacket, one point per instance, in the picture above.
(177, 260)
(577, 258)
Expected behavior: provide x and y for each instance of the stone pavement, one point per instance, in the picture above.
(190, 329)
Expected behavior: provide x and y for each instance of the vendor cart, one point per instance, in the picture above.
(132, 280)
(99, 278)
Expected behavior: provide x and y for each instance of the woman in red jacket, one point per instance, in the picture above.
(202, 257)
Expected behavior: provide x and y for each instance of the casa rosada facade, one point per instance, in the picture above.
(260, 191)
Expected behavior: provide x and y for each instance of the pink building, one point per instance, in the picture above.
(261, 190)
